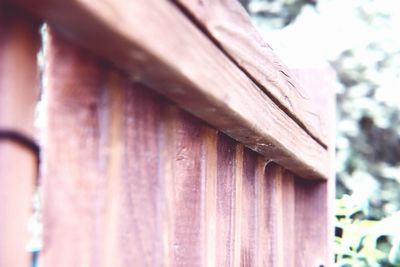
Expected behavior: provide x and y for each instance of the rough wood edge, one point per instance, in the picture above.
(227, 24)
(187, 67)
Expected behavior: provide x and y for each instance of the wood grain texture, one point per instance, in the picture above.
(271, 222)
(288, 220)
(293, 218)
(225, 200)
(263, 245)
(229, 25)
(74, 180)
(185, 188)
(230, 101)
(322, 91)
(19, 92)
(134, 172)
(210, 155)
(100, 164)
(311, 211)
(248, 213)
(238, 202)
(131, 179)
(139, 219)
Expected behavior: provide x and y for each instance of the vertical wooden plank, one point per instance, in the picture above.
(238, 205)
(288, 220)
(75, 161)
(167, 145)
(270, 250)
(225, 200)
(138, 229)
(19, 43)
(184, 187)
(210, 198)
(262, 242)
(114, 95)
(248, 234)
(101, 158)
(311, 217)
(277, 216)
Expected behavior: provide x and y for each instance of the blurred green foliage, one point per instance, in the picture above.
(360, 242)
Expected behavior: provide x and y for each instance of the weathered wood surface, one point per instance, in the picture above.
(226, 22)
(307, 216)
(132, 180)
(18, 96)
(185, 65)
(321, 92)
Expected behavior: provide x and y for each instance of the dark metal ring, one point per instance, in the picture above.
(24, 141)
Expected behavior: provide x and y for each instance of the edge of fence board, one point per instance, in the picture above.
(210, 162)
(228, 23)
(324, 192)
(183, 67)
(225, 212)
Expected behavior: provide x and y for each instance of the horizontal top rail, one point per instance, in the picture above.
(155, 43)
(226, 22)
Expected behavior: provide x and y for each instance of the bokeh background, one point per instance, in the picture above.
(361, 40)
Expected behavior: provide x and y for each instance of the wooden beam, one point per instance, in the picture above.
(228, 24)
(157, 45)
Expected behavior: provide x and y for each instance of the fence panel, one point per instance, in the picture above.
(132, 179)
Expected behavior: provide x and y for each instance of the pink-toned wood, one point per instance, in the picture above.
(18, 96)
(263, 244)
(225, 200)
(126, 167)
(312, 221)
(294, 220)
(322, 92)
(238, 202)
(185, 186)
(229, 25)
(74, 182)
(230, 101)
(248, 213)
(211, 166)
(131, 179)
(70, 187)
(271, 221)
(138, 224)
(288, 220)
(100, 164)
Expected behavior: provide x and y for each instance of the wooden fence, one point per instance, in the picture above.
(170, 134)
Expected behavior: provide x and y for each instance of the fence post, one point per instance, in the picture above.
(19, 41)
